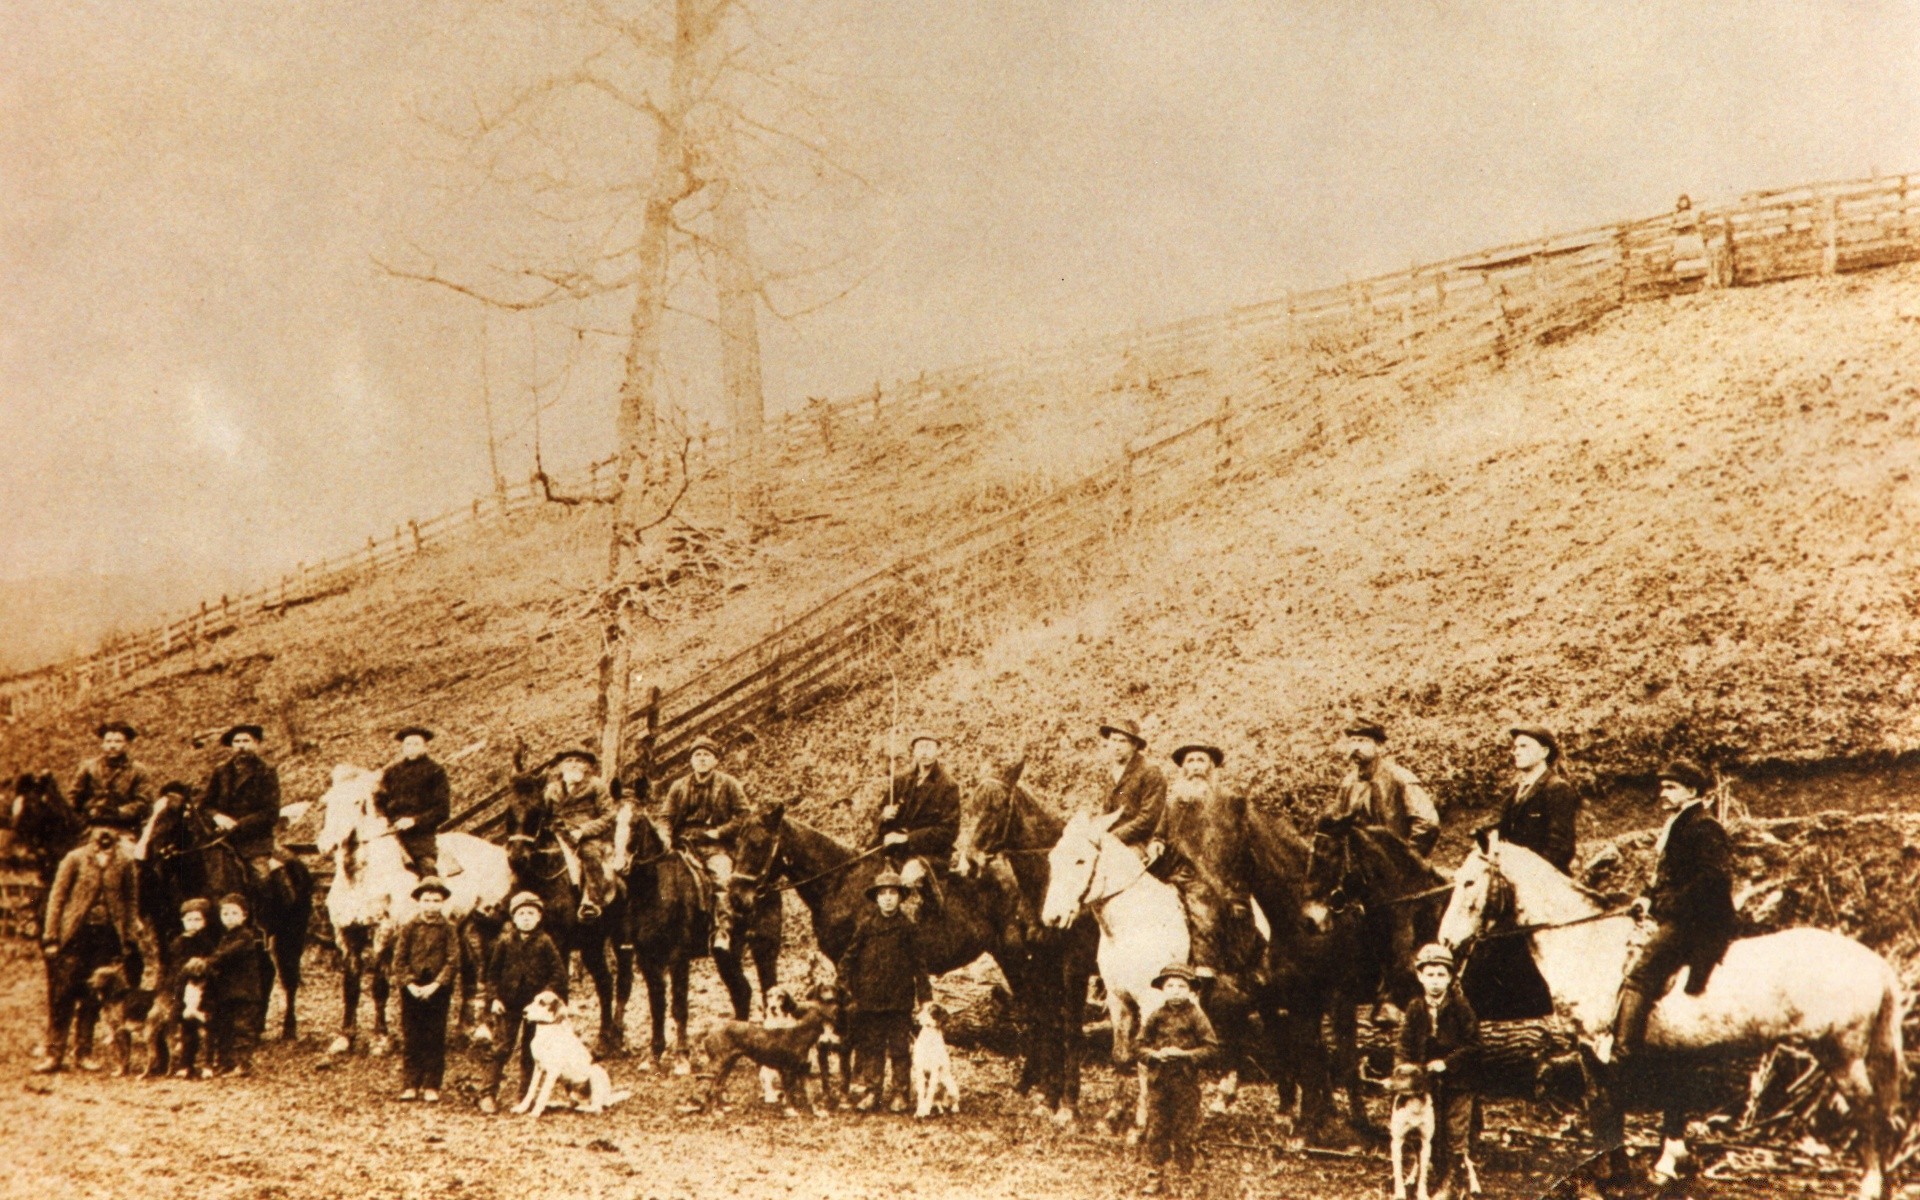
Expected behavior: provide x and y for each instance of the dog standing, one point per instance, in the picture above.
(934, 1090)
(786, 1048)
(1412, 1117)
(130, 1010)
(559, 1056)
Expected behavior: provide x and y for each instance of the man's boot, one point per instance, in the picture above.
(1630, 1024)
(83, 1044)
(55, 1059)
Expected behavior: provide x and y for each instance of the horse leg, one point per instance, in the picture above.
(622, 985)
(656, 980)
(1073, 1046)
(766, 963)
(594, 956)
(734, 976)
(681, 968)
(287, 946)
(473, 986)
(1853, 1078)
(1121, 1016)
(352, 963)
(1673, 1146)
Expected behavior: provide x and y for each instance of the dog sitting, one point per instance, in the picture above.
(559, 1056)
(785, 1048)
(1413, 1116)
(934, 1090)
(782, 1012)
(129, 1010)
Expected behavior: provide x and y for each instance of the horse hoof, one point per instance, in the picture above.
(381, 1047)
(1133, 1137)
(682, 1067)
(480, 1035)
(341, 1044)
(1064, 1118)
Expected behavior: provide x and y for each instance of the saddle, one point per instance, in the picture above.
(702, 881)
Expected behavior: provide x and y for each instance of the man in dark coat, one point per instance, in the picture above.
(243, 794)
(92, 920)
(920, 819)
(1201, 848)
(1690, 904)
(885, 979)
(583, 814)
(416, 799)
(1543, 811)
(705, 809)
(113, 791)
(1379, 793)
(1139, 789)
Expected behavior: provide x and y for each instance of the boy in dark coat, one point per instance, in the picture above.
(240, 974)
(885, 980)
(522, 964)
(426, 953)
(189, 961)
(416, 798)
(1174, 1041)
(1442, 1033)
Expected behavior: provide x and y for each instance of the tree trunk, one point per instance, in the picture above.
(740, 341)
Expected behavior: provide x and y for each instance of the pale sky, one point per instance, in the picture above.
(202, 368)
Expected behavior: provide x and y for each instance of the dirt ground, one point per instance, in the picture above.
(307, 1126)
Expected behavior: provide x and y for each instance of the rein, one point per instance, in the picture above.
(1538, 926)
(800, 883)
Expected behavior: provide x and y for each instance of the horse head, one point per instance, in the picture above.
(986, 817)
(1480, 893)
(756, 856)
(348, 803)
(526, 819)
(1072, 866)
(1330, 861)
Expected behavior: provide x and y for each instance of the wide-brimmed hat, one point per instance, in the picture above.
(1433, 954)
(923, 735)
(1539, 733)
(703, 742)
(885, 880)
(1174, 971)
(1213, 752)
(119, 727)
(1686, 772)
(580, 752)
(432, 883)
(525, 900)
(259, 734)
(1126, 727)
(406, 731)
(1362, 727)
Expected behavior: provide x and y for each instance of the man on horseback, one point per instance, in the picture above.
(114, 791)
(415, 798)
(1543, 809)
(705, 808)
(1200, 847)
(1139, 789)
(1380, 793)
(919, 821)
(1689, 906)
(243, 798)
(582, 813)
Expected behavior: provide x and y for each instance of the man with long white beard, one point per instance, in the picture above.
(1200, 847)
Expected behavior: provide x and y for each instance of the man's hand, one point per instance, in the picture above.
(894, 839)
(1437, 1067)
(1638, 909)
(223, 822)
(1155, 849)
(403, 824)
(498, 1009)
(889, 812)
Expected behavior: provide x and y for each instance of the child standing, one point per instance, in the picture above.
(524, 963)
(239, 975)
(885, 981)
(1442, 1033)
(425, 953)
(190, 954)
(1174, 1041)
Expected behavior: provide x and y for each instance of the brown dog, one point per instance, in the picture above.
(784, 1048)
(128, 1010)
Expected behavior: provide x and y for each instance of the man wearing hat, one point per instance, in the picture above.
(243, 795)
(92, 920)
(1175, 1040)
(885, 979)
(1544, 808)
(416, 798)
(1689, 905)
(705, 808)
(1379, 793)
(1201, 848)
(1139, 788)
(583, 814)
(920, 818)
(113, 791)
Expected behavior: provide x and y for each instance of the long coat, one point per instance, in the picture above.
(1388, 795)
(1541, 816)
(1209, 835)
(927, 811)
(882, 968)
(1140, 797)
(247, 789)
(1692, 886)
(89, 876)
(713, 809)
(241, 971)
(115, 792)
(417, 788)
(585, 810)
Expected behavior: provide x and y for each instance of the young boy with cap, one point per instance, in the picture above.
(241, 975)
(885, 981)
(191, 954)
(523, 963)
(1442, 1033)
(1174, 1041)
(426, 952)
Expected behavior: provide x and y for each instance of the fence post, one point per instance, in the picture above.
(1126, 489)
(1830, 236)
(371, 565)
(593, 479)
(1223, 438)
(415, 527)
(283, 591)
(651, 735)
(773, 668)
(476, 508)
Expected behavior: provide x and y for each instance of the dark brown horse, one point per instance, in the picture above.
(44, 827)
(1397, 894)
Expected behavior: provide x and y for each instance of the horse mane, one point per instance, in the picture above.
(1547, 871)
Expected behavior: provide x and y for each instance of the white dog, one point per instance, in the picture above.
(933, 1087)
(1413, 1116)
(559, 1056)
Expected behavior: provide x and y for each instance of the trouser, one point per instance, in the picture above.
(1173, 1114)
(423, 1035)
(70, 1002)
(1452, 1131)
(1223, 935)
(880, 1040)
(235, 1025)
(1649, 972)
(191, 1032)
(423, 848)
(518, 1035)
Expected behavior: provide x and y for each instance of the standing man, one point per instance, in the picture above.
(1544, 808)
(243, 794)
(920, 819)
(704, 810)
(1200, 847)
(92, 920)
(1380, 793)
(1689, 905)
(583, 812)
(1138, 790)
(113, 791)
(416, 799)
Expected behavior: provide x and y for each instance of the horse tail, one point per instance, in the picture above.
(1886, 1056)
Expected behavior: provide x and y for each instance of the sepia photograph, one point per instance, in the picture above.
(995, 600)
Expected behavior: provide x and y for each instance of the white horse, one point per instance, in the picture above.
(1142, 926)
(1810, 986)
(372, 894)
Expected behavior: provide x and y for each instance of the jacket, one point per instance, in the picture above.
(521, 966)
(1209, 835)
(1693, 883)
(426, 950)
(417, 788)
(247, 789)
(113, 792)
(1139, 796)
(183, 949)
(1178, 1024)
(1541, 816)
(926, 810)
(585, 811)
(240, 969)
(1454, 1039)
(1389, 796)
(713, 810)
(882, 968)
(88, 876)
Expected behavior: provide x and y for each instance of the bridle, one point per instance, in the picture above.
(1087, 900)
(1337, 900)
